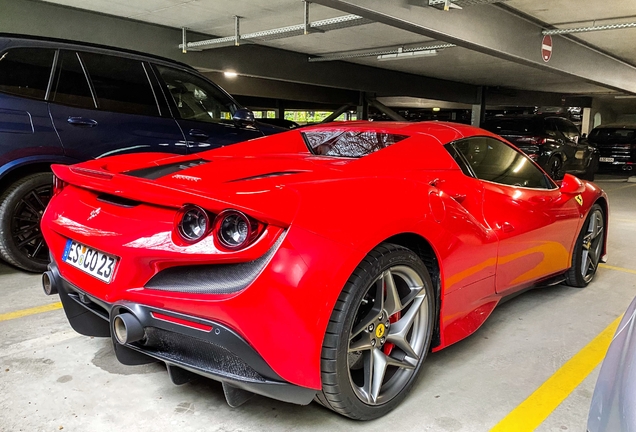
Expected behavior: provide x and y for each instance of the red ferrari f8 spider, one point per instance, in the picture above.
(323, 263)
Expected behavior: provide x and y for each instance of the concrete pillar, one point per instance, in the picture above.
(586, 121)
(479, 110)
(280, 109)
(363, 108)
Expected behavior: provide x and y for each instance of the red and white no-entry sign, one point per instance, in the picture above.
(546, 48)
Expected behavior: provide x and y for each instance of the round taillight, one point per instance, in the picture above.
(234, 229)
(194, 224)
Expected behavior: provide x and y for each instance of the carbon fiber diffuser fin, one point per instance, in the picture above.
(214, 278)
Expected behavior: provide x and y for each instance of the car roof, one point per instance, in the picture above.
(617, 126)
(526, 117)
(402, 127)
(86, 46)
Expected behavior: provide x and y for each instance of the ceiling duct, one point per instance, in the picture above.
(385, 53)
(459, 4)
(564, 31)
(307, 27)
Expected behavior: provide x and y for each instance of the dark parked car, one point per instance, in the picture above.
(554, 142)
(66, 102)
(616, 144)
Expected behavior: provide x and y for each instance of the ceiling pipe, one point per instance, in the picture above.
(378, 52)
(458, 4)
(588, 29)
(306, 22)
(339, 22)
(237, 30)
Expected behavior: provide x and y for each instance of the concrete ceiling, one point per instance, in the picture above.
(586, 13)
(457, 64)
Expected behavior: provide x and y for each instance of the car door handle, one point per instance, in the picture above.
(460, 198)
(198, 134)
(82, 121)
(507, 227)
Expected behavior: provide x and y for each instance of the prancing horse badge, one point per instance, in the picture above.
(579, 199)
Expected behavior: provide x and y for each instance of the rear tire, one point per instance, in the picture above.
(591, 170)
(588, 249)
(379, 334)
(21, 209)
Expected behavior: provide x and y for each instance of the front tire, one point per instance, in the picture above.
(588, 249)
(555, 167)
(21, 209)
(379, 334)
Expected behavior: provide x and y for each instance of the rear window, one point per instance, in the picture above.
(511, 126)
(121, 84)
(71, 86)
(609, 135)
(26, 71)
(346, 143)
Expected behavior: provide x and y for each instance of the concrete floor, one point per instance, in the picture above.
(54, 379)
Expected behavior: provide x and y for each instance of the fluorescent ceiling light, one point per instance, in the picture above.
(230, 74)
(409, 54)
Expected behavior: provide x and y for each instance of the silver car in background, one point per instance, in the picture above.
(614, 401)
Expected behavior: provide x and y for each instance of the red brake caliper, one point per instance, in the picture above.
(388, 347)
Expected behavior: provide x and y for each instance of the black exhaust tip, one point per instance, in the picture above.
(48, 283)
(127, 329)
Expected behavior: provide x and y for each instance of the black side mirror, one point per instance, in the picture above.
(243, 117)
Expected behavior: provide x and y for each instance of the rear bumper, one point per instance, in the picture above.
(198, 347)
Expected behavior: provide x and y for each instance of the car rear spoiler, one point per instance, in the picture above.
(262, 206)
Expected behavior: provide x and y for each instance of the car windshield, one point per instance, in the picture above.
(521, 126)
(611, 135)
(347, 143)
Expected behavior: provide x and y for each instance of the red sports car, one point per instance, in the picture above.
(323, 263)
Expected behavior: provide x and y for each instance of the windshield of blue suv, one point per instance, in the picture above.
(195, 98)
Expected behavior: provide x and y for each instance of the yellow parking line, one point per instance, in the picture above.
(617, 268)
(540, 404)
(31, 311)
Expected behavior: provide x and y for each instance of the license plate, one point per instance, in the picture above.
(89, 260)
(605, 159)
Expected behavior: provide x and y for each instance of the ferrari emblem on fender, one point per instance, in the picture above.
(579, 199)
(379, 330)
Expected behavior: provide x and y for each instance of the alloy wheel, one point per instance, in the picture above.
(555, 168)
(25, 224)
(388, 335)
(592, 245)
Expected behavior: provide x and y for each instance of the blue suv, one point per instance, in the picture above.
(66, 102)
